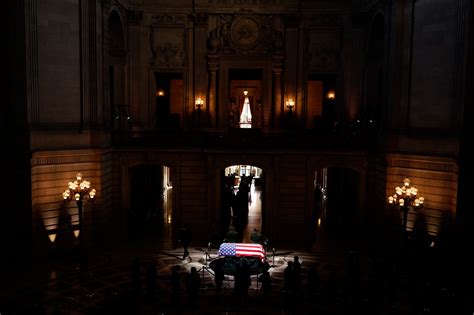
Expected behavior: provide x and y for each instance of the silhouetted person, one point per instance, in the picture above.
(193, 282)
(256, 237)
(244, 280)
(266, 281)
(219, 278)
(314, 281)
(175, 285)
(288, 278)
(227, 197)
(332, 287)
(232, 235)
(136, 281)
(151, 278)
(297, 282)
(184, 235)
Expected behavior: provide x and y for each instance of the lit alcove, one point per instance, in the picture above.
(242, 194)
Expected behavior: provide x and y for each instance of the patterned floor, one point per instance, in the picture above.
(105, 286)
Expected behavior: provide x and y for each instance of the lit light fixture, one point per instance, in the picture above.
(52, 237)
(290, 104)
(160, 92)
(169, 219)
(78, 190)
(404, 198)
(331, 95)
(199, 103)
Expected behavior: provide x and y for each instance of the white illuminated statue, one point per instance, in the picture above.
(246, 115)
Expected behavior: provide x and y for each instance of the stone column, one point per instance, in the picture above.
(277, 68)
(134, 21)
(213, 66)
(401, 67)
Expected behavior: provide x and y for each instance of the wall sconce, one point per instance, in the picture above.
(199, 103)
(331, 95)
(160, 92)
(52, 237)
(290, 104)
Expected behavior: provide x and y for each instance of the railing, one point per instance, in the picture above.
(246, 139)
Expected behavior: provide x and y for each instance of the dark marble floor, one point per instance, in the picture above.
(399, 278)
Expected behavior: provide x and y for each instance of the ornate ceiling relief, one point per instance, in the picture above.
(247, 34)
(167, 41)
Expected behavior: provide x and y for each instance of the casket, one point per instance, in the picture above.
(241, 250)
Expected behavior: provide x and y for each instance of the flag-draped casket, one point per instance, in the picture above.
(241, 249)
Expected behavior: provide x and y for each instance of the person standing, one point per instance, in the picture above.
(175, 285)
(193, 283)
(266, 281)
(256, 237)
(185, 239)
(219, 278)
(151, 278)
(297, 281)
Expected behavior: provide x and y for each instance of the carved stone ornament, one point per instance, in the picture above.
(247, 34)
(167, 19)
(244, 32)
(168, 55)
(134, 17)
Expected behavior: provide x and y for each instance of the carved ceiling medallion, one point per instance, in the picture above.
(244, 32)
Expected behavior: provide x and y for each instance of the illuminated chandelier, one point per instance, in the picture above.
(404, 198)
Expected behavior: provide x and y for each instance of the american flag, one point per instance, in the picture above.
(241, 249)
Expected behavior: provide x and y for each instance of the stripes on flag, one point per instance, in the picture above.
(241, 249)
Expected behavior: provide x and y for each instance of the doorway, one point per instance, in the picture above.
(151, 204)
(169, 99)
(245, 104)
(336, 203)
(242, 201)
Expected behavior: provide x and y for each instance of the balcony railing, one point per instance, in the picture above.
(250, 139)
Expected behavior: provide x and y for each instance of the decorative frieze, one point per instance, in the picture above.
(168, 19)
(424, 165)
(244, 2)
(70, 159)
(247, 34)
(200, 20)
(325, 20)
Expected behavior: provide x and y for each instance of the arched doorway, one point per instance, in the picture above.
(150, 216)
(242, 201)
